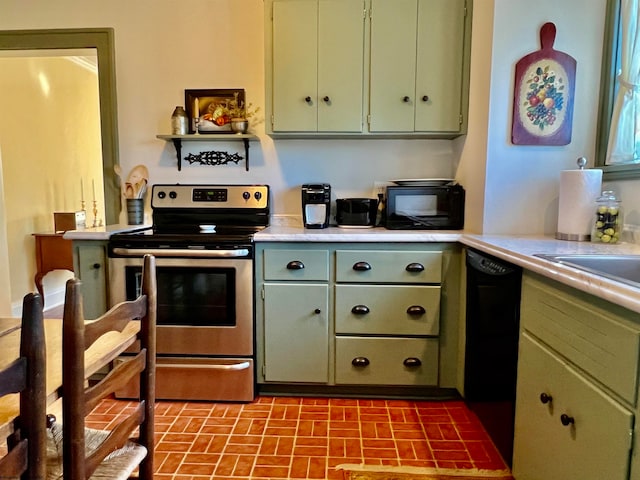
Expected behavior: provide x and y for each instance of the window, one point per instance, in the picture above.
(610, 87)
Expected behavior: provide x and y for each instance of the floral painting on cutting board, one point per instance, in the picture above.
(543, 94)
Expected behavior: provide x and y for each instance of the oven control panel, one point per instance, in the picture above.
(210, 196)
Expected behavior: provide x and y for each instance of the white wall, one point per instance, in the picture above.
(164, 47)
(5, 293)
(521, 192)
(50, 141)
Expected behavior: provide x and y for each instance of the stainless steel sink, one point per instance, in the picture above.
(621, 268)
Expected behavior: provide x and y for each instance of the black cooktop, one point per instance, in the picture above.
(206, 235)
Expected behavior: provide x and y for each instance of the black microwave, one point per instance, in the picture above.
(435, 207)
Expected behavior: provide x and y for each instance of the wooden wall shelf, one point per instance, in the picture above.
(217, 137)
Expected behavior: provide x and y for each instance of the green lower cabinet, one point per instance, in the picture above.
(386, 361)
(576, 394)
(90, 266)
(357, 316)
(296, 336)
(566, 427)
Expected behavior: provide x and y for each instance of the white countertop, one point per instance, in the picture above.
(101, 233)
(338, 234)
(517, 249)
(521, 250)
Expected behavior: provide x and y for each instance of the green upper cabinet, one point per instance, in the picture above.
(317, 65)
(397, 68)
(417, 65)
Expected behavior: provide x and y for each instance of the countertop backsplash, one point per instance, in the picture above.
(631, 234)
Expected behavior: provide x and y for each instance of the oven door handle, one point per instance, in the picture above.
(233, 366)
(182, 252)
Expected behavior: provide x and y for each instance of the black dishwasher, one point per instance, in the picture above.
(491, 353)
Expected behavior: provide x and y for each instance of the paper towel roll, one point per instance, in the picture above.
(579, 190)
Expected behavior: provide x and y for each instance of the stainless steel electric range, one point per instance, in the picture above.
(202, 237)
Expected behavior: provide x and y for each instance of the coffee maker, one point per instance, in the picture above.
(316, 203)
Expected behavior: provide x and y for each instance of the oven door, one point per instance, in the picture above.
(205, 305)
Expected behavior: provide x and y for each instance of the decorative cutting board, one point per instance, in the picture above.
(543, 94)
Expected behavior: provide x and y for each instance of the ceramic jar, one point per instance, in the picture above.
(179, 122)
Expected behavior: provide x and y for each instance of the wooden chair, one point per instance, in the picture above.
(27, 376)
(114, 454)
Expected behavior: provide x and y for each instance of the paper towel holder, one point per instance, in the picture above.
(574, 215)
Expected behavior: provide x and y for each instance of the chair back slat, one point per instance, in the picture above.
(119, 377)
(15, 463)
(13, 379)
(79, 399)
(27, 377)
(116, 319)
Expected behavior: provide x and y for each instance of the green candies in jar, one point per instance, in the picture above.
(607, 225)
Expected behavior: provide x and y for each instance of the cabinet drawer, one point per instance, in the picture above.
(590, 335)
(296, 265)
(385, 309)
(383, 361)
(595, 446)
(370, 266)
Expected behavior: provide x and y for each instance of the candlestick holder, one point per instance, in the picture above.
(196, 122)
(95, 213)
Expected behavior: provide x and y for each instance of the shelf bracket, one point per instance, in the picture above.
(246, 153)
(177, 143)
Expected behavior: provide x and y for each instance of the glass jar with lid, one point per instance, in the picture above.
(607, 226)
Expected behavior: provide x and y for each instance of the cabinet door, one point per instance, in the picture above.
(340, 65)
(439, 65)
(91, 267)
(295, 65)
(318, 65)
(393, 65)
(296, 332)
(596, 446)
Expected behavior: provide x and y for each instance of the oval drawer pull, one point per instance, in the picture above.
(566, 420)
(545, 398)
(295, 265)
(415, 267)
(360, 362)
(412, 362)
(361, 266)
(360, 310)
(416, 310)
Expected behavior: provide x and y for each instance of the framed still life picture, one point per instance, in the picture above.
(543, 94)
(208, 110)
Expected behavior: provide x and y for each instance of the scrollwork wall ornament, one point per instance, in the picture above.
(213, 158)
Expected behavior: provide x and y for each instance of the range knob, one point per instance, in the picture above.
(172, 194)
(257, 195)
(246, 195)
(161, 194)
